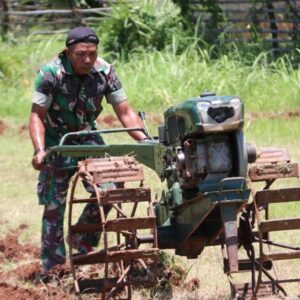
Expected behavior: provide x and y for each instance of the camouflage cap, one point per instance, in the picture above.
(81, 35)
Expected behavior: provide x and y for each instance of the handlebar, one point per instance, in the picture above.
(63, 147)
(89, 132)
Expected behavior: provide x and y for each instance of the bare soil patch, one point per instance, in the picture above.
(273, 115)
(19, 281)
(12, 250)
(111, 121)
(10, 292)
(24, 131)
(25, 265)
(2, 127)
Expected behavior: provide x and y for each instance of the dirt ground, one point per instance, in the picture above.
(20, 264)
(273, 115)
(111, 121)
(2, 127)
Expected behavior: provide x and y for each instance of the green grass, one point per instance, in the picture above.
(19, 204)
(278, 132)
(156, 80)
(153, 82)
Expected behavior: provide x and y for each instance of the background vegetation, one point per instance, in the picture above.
(157, 69)
(158, 79)
(161, 61)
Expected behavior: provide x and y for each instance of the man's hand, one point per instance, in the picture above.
(37, 160)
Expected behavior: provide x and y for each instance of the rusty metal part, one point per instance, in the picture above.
(273, 171)
(271, 164)
(112, 169)
(228, 214)
(244, 291)
(123, 229)
(272, 155)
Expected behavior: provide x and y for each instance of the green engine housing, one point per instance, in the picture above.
(205, 140)
(205, 168)
(203, 115)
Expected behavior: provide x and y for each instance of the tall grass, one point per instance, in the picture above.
(18, 66)
(155, 80)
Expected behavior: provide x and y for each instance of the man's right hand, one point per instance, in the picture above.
(37, 160)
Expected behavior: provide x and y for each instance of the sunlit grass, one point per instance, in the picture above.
(280, 132)
(19, 204)
(153, 82)
(162, 79)
(156, 80)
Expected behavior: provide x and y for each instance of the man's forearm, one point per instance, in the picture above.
(132, 120)
(37, 132)
(129, 118)
(37, 128)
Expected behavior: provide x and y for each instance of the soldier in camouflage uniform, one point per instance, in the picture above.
(67, 98)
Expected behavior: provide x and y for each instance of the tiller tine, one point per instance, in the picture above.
(229, 215)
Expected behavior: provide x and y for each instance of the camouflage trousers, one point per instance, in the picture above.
(52, 191)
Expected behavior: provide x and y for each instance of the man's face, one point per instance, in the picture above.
(82, 57)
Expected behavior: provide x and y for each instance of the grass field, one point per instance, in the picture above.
(271, 92)
(154, 81)
(18, 202)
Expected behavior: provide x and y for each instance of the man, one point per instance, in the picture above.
(67, 97)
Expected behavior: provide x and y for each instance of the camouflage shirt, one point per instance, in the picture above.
(73, 102)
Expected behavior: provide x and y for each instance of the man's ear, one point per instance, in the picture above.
(67, 51)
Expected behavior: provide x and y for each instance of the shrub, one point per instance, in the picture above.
(148, 25)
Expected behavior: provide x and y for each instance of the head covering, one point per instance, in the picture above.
(81, 35)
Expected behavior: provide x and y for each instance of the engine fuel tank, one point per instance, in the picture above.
(203, 115)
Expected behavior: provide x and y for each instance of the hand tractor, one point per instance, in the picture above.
(219, 192)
